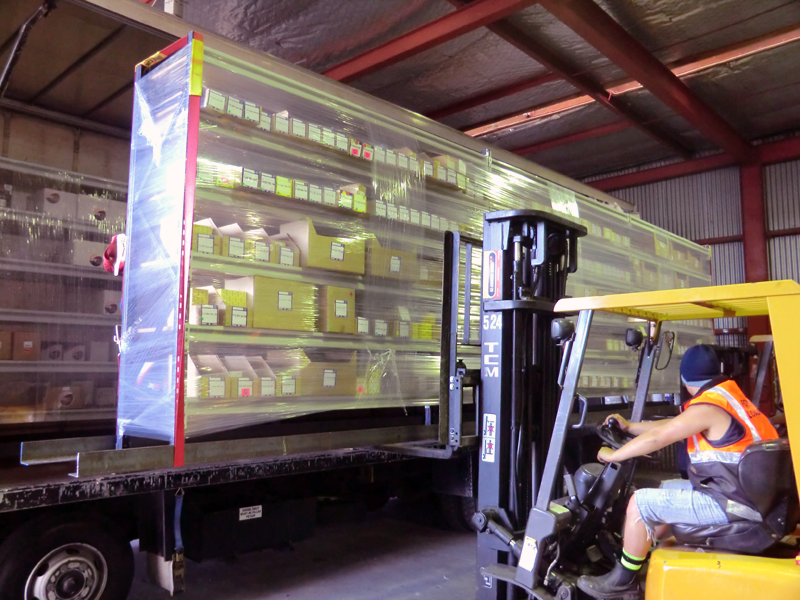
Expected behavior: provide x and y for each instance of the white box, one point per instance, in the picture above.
(55, 203)
(112, 302)
(93, 209)
(88, 254)
(76, 353)
(99, 351)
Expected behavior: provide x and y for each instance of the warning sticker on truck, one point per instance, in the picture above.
(492, 274)
(250, 512)
(489, 437)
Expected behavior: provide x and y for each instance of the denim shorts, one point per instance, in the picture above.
(675, 502)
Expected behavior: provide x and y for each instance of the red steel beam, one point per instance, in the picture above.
(595, 26)
(461, 21)
(496, 94)
(754, 236)
(773, 152)
(577, 78)
(575, 137)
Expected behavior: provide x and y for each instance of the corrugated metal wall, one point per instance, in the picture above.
(696, 207)
(782, 195)
(784, 257)
(727, 267)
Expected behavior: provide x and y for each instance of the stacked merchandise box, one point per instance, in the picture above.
(58, 306)
(314, 228)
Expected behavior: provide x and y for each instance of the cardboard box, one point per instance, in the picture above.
(337, 309)
(266, 381)
(233, 308)
(99, 351)
(400, 324)
(354, 197)
(261, 248)
(394, 264)
(323, 252)
(54, 203)
(27, 345)
(112, 302)
(203, 239)
(280, 123)
(213, 100)
(278, 303)
(206, 377)
(6, 345)
(233, 241)
(88, 254)
(94, 209)
(430, 272)
(329, 378)
(242, 379)
(75, 353)
(105, 397)
(68, 397)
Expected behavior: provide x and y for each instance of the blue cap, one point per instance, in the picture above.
(699, 365)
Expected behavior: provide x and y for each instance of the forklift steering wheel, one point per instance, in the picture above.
(613, 435)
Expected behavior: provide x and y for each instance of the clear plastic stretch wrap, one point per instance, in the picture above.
(58, 306)
(316, 248)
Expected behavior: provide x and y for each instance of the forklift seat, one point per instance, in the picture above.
(767, 478)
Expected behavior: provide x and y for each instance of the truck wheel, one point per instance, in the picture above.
(457, 511)
(66, 557)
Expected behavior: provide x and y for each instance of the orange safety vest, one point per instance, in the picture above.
(715, 469)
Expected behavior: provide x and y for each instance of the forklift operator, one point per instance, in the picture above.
(719, 422)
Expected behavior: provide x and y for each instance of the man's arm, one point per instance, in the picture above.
(692, 421)
(635, 428)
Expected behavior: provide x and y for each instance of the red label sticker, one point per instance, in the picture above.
(492, 274)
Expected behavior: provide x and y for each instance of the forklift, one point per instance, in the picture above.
(541, 527)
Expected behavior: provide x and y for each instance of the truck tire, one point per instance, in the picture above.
(457, 511)
(66, 556)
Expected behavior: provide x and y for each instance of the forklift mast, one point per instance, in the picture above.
(527, 255)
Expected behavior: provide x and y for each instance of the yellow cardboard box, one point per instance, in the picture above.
(278, 303)
(337, 309)
(203, 239)
(386, 262)
(323, 252)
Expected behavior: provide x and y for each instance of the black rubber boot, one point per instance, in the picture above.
(617, 583)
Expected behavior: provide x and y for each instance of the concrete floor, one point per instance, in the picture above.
(397, 553)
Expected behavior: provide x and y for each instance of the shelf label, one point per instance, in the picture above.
(216, 387)
(235, 107)
(435, 224)
(426, 219)
(391, 211)
(342, 143)
(298, 128)
(355, 148)
(263, 251)
(427, 168)
(346, 200)
(238, 316)
(328, 137)
(284, 300)
(267, 386)
(215, 100)
(380, 154)
(315, 133)
(413, 164)
(266, 121)
(250, 512)
(394, 265)
(404, 215)
(360, 202)
(341, 309)
(287, 256)
(415, 216)
(329, 378)
(244, 387)
(366, 152)
(250, 178)
(235, 247)
(405, 330)
(337, 251)
(282, 124)
(362, 325)
(288, 386)
(380, 208)
(391, 157)
(315, 193)
(301, 190)
(381, 328)
(209, 314)
(402, 161)
(267, 183)
(283, 186)
(205, 243)
(424, 273)
(441, 173)
(252, 112)
(451, 177)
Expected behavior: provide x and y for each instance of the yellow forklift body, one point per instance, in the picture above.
(685, 574)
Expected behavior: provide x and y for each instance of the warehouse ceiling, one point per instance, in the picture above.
(579, 86)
